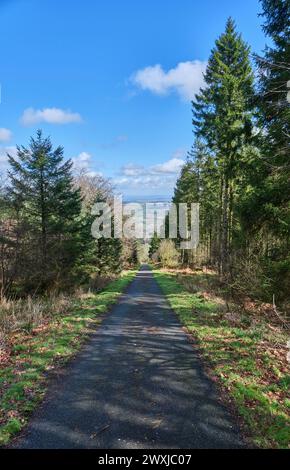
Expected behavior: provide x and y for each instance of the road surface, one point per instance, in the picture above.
(138, 383)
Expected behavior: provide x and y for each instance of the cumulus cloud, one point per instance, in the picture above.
(82, 164)
(185, 79)
(172, 166)
(150, 183)
(5, 134)
(132, 170)
(49, 115)
(154, 178)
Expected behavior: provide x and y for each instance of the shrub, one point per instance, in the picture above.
(168, 254)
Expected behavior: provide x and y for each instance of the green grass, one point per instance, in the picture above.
(256, 380)
(23, 381)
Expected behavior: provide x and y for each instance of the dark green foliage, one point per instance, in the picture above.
(47, 210)
(108, 256)
(238, 169)
(198, 183)
(154, 245)
(271, 176)
(133, 258)
(273, 89)
(222, 118)
(222, 109)
(99, 257)
(46, 219)
(277, 19)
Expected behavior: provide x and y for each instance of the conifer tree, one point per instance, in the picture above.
(198, 183)
(133, 259)
(275, 80)
(41, 191)
(222, 117)
(186, 191)
(266, 210)
(108, 253)
(102, 256)
(274, 88)
(154, 245)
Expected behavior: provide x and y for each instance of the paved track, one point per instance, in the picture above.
(138, 383)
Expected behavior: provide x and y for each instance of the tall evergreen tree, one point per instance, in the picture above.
(268, 199)
(222, 117)
(48, 206)
(133, 259)
(108, 253)
(187, 191)
(275, 81)
(198, 183)
(154, 245)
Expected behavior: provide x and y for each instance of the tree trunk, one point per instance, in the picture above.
(43, 229)
(225, 229)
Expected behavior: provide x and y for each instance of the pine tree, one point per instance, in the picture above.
(222, 117)
(266, 209)
(198, 183)
(102, 256)
(42, 193)
(206, 168)
(154, 245)
(108, 253)
(187, 191)
(7, 243)
(187, 188)
(275, 80)
(274, 86)
(133, 259)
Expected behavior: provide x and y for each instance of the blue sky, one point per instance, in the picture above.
(111, 80)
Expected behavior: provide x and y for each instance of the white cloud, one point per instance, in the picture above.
(5, 134)
(132, 170)
(180, 154)
(172, 166)
(49, 115)
(185, 79)
(3, 156)
(84, 157)
(150, 183)
(82, 164)
(153, 178)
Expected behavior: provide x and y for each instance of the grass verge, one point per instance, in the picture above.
(23, 377)
(248, 358)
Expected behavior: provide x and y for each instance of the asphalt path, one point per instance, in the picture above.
(138, 383)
